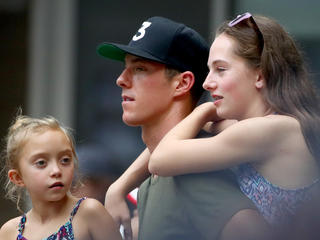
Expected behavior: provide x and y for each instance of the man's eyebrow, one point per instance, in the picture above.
(140, 60)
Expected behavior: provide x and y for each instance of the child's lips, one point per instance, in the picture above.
(56, 184)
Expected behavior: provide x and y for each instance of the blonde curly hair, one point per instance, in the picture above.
(18, 133)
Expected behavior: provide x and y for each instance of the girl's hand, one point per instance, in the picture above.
(208, 111)
(215, 128)
(116, 205)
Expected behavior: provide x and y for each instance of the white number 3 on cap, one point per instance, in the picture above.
(141, 31)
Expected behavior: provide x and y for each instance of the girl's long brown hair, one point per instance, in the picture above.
(289, 91)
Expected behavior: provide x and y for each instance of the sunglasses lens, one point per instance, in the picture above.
(239, 18)
(254, 25)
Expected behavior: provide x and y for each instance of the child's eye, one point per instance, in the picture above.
(41, 163)
(66, 160)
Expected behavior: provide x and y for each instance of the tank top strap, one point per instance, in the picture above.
(76, 207)
(22, 224)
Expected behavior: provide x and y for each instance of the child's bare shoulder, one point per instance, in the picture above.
(91, 206)
(9, 230)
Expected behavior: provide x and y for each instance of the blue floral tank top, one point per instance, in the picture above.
(65, 232)
(277, 205)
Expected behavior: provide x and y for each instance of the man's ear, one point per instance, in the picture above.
(15, 177)
(260, 81)
(185, 83)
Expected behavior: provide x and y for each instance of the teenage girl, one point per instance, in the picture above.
(257, 77)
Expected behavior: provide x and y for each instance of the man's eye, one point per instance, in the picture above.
(139, 69)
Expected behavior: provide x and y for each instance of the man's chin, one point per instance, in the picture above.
(131, 122)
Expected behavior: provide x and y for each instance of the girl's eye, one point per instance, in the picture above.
(40, 163)
(221, 69)
(66, 160)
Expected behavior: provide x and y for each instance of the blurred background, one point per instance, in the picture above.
(49, 66)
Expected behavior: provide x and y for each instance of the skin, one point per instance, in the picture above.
(233, 83)
(140, 81)
(144, 82)
(46, 171)
(115, 201)
(156, 119)
(273, 143)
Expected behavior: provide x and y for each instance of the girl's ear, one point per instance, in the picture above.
(15, 177)
(260, 81)
(185, 82)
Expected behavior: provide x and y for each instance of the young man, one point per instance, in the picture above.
(165, 66)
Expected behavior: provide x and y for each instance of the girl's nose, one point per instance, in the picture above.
(209, 83)
(55, 170)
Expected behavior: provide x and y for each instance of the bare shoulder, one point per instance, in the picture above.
(9, 230)
(251, 135)
(269, 124)
(93, 219)
(91, 207)
(92, 213)
(272, 120)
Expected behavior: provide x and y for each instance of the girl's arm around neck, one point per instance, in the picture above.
(245, 141)
(115, 200)
(132, 177)
(202, 117)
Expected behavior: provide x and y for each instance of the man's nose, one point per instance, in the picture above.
(124, 79)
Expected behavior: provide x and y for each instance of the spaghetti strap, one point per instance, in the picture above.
(64, 232)
(21, 227)
(22, 224)
(76, 207)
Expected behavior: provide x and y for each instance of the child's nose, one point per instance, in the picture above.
(55, 170)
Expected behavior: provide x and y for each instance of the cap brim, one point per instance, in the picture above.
(112, 51)
(118, 52)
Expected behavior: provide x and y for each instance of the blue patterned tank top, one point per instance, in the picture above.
(277, 205)
(65, 232)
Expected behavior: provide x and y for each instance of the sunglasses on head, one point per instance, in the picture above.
(251, 23)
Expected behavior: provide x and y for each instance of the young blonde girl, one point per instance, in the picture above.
(257, 77)
(40, 159)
